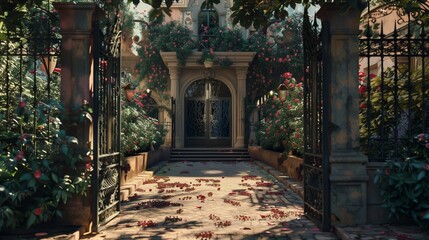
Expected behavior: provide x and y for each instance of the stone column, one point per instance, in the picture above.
(348, 166)
(241, 93)
(77, 89)
(175, 93)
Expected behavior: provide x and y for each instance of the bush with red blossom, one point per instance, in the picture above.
(281, 127)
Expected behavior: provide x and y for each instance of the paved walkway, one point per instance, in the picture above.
(212, 200)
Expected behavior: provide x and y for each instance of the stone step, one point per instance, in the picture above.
(129, 188)
(209, 154)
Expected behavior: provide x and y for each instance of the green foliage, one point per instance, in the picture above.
(404, 184)
(127, 22)
(170, 37)
(391, 98)
(282, 126)
(40, 171)
(277, 51)
(139, 132)
(40, 165)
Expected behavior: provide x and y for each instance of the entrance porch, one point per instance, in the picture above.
(205, 117)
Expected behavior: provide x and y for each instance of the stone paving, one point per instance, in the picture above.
(212, 200)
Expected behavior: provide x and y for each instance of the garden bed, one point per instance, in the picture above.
(292, 166)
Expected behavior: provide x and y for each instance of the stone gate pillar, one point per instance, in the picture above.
(241, 93)
(76, 89)
(175, 93)
(348, 166)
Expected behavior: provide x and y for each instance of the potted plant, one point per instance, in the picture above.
(208, 57)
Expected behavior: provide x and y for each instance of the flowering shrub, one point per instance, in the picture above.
(282, 127)
(169, 37)
(139, 132)
(280, 49)
(39, 171)
(404, 184)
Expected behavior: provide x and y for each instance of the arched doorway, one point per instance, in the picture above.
(208, 114)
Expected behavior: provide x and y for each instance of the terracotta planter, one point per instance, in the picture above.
(157, 156)
(208, 64)
(292, 166)
(137, 164)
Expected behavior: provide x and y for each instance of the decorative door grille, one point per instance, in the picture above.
(208, 114)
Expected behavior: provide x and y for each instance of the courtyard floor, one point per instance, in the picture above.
(212, 200)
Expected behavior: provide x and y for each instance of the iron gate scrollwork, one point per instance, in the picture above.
(106, 183)
(393, 81)
(316, 157)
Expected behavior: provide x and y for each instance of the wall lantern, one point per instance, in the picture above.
(271, 93)
(48, 64)
(129, 92)
(282, 90)
(148, 93)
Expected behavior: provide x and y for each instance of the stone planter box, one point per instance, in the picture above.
(159, 155)
(138, 164)
(292, 166)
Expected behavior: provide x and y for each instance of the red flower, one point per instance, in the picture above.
(362, 105)
(362, 74)
(37, 211)
(57, 70)
(362, 89)
(37, 174)
(22, 104)
(287, 75)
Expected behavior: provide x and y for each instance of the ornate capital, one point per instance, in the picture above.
(241, 73)
(174, 72)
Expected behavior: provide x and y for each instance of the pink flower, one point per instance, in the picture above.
(22, 104)
(362, 74)
(20, 156)
(88, 166)
(421, 136)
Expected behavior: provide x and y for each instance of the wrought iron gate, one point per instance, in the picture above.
(107, 131)
(393, 81)
(316, 157)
